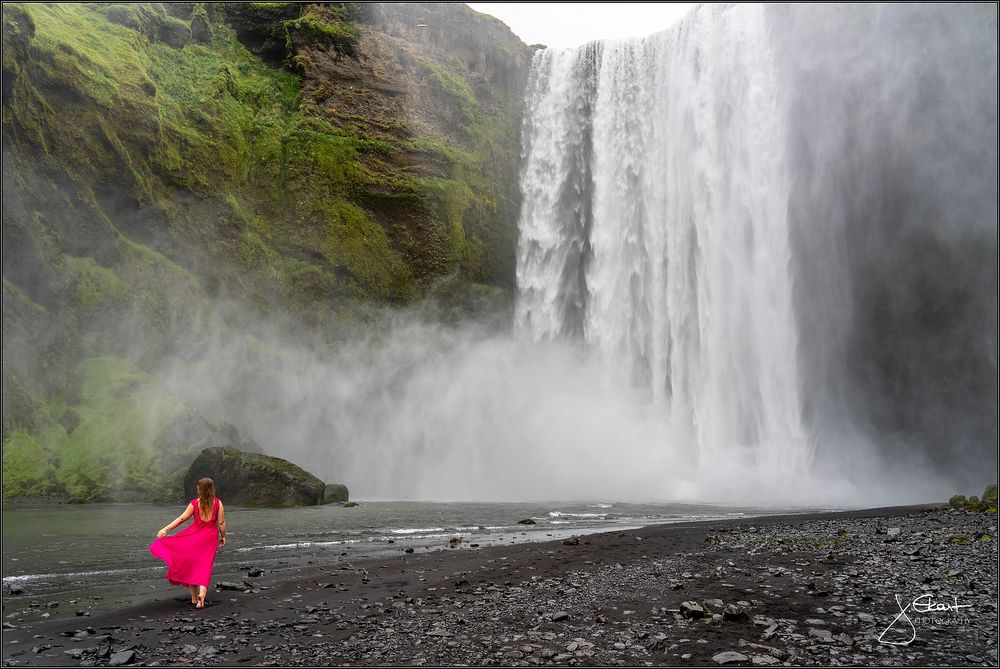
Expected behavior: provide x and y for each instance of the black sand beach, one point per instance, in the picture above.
(813, 589)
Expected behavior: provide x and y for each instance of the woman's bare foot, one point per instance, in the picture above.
(202, 593)
(194, 594)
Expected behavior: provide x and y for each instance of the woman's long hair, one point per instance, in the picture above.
(206, 495)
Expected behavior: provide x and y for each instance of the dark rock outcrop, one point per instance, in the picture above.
(175, 32)
(253, 479)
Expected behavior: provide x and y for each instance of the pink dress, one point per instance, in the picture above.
(190, 554)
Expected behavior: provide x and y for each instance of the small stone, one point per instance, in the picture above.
(562, 657)
(823, 635)
(761, 649)
(735, 615)
(122, 657)
(572, 541)
(892, 532)
(75, 653)
(763, 660)
(692, 610)
(558, 615)
(713, 604)
(728, 657)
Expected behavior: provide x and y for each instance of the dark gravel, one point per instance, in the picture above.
(791, 590)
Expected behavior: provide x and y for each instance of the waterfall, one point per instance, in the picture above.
(760, 217)
(654, 227)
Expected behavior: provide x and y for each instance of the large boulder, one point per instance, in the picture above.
(254, 479)
(335, 492)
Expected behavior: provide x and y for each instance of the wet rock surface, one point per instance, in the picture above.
(253, 479)
(792, 590)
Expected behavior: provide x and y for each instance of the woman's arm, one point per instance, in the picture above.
(188, 512)
(222, 525)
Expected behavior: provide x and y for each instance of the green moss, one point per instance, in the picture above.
(109, 455)
(455, 85)
(318, 30)
(95, 284)
(28, 468)
(214, 120)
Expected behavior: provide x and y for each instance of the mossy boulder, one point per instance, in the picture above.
(175, 32)
(990, 493)
(988, 504)
(201, 28)
(254, 479)
(335, 492)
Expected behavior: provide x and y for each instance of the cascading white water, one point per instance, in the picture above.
(654, 228)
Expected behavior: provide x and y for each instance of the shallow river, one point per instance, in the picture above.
(61, 559)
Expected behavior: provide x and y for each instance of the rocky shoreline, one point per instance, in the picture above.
(815, 589)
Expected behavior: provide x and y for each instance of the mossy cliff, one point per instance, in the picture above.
(175, 169)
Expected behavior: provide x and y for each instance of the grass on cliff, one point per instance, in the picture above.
(105, 102)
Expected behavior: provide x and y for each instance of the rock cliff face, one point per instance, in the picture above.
(171, 170)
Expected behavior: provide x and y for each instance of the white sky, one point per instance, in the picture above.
(558, 24)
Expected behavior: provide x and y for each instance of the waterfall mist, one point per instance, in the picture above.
(757, 263)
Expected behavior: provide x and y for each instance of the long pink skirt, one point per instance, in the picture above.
(189, 554)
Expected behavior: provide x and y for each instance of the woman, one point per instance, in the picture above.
(190, 554)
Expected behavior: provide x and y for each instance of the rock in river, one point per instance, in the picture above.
(335, 492)
(254, 479)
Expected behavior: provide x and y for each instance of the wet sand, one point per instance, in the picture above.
(816, 589)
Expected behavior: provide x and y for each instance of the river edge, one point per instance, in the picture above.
(805, 589)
